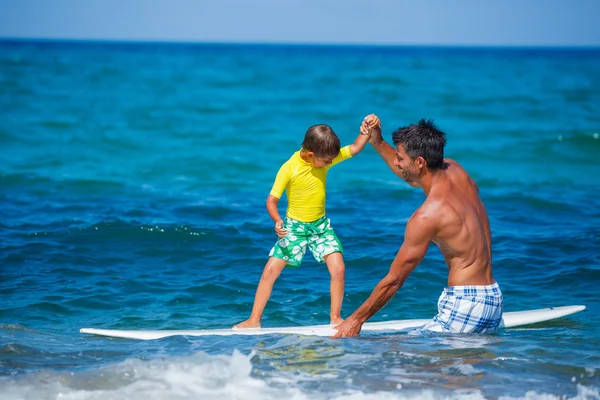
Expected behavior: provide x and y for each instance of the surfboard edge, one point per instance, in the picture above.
(509, 320)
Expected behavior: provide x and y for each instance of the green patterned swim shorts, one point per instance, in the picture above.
(317, 235)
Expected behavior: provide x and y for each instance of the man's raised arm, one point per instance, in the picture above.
(382, 148)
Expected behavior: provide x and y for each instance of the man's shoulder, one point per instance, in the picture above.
(453, 168)
(424, 219)
(434, 209)
(431, 208)
(432, 204)
(448, 162)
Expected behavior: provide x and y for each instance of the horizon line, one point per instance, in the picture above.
(298, 43)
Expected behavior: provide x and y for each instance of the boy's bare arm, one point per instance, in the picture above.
(359, 143)
(365, 131)
(272, 202)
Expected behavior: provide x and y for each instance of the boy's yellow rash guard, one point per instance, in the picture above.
(305, 186)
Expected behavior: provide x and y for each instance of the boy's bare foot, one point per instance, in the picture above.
(247, 324)
(336, 321)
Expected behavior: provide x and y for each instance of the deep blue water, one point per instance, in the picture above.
(132, 188)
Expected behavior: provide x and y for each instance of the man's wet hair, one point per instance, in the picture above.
(321, 140)
(422, 139)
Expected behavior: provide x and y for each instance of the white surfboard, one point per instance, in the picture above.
(509, 320)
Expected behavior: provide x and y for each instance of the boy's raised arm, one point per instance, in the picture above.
(361, 140)
(359, 143)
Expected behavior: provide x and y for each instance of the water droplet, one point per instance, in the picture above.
(596, 135)
(560, 138)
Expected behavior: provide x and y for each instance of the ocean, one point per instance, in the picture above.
(133, 183)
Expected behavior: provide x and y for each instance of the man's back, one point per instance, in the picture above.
(463, 233)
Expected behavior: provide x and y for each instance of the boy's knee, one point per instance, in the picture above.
(270, 273)
(338, 272)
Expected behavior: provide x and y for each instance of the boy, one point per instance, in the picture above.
(303, 177)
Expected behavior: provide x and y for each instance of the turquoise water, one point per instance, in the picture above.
(132, 189)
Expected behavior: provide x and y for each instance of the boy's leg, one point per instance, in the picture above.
(337, 270)
(270, 274)
(326, 247)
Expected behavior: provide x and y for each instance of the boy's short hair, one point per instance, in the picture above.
(321, 140)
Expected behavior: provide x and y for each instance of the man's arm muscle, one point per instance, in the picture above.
(419, 233)
(382, 148)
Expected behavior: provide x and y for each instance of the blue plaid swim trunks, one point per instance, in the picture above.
(468, 309)
(318, 236)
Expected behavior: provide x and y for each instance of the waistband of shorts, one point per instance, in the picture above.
(474, 290)
(317, 221)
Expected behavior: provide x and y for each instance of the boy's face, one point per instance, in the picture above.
(320, 162)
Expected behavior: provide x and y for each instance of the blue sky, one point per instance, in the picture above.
(419, 22)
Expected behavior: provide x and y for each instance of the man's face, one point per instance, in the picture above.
(408, 170)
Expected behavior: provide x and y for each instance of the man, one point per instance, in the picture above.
(454, 218)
